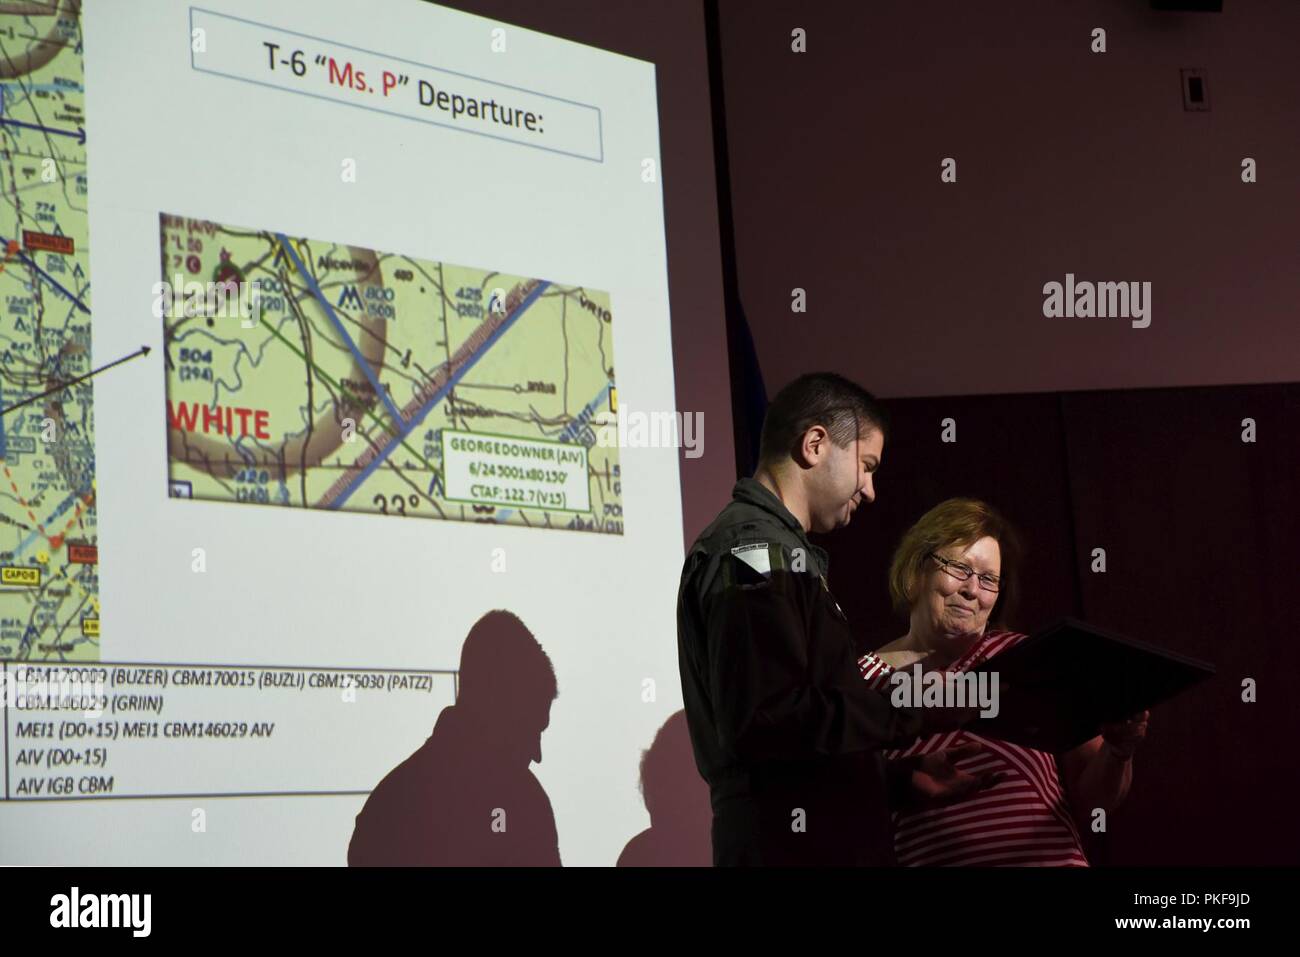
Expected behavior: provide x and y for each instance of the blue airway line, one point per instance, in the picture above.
(78, 134)
(441, 393)
(352, 346)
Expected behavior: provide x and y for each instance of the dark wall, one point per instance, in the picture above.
(1200, 531)
(1067, 161)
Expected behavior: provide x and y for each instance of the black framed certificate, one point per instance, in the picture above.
(1060, 685)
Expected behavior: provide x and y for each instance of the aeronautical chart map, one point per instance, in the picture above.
(49, 582)
(312, 374)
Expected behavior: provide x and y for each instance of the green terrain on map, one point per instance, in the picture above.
(312, 374)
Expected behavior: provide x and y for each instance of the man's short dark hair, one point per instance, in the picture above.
(841, 406)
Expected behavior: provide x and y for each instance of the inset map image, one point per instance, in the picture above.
(307, 373)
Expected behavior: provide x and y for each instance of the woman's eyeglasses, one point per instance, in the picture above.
(963, 573)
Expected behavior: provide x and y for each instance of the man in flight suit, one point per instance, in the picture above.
(785, 731)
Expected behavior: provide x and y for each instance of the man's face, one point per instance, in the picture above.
(841, 479)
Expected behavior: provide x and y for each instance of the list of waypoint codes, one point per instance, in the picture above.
(137, 730)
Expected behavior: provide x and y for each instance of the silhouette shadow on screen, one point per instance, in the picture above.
(467, 797)
(678, 801)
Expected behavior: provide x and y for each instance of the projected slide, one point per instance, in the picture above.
(311, 374)
(355, 266)
(49, 584)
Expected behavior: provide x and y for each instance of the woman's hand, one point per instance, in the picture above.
(936, 779)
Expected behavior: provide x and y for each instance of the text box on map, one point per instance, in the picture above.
(485, 469)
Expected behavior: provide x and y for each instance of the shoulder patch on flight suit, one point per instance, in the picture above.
(755, 562)
(755, 556)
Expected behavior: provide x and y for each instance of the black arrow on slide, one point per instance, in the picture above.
(142, 351)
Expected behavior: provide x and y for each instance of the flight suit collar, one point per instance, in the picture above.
(755, 493)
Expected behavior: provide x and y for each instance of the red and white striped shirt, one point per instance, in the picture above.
(1022, 820)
